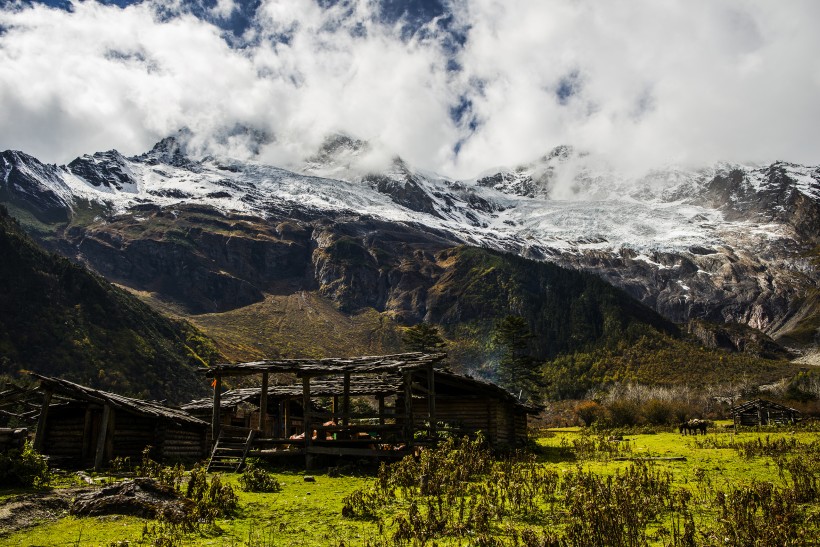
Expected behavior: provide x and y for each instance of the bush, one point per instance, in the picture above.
(256, 479)
(25, 467)
(624, 413)
(591, 412)
(657, 412)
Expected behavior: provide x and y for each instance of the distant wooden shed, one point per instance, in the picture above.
(762, 412)
(82, 426)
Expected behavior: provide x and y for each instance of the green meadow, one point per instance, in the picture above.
(572, 487)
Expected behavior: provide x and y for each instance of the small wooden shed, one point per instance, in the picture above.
(82, 426)
(762, 412)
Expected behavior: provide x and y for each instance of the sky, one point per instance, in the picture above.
(458, 87)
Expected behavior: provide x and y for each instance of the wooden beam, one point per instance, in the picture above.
(346, 400)
(41, 423)
(86, 452)
(279, 424)
(215, 418)
(101, 438)
(381, 409)
(287, 418)
(306, 411)
(409, 427)
(263, 403)
(431, 400)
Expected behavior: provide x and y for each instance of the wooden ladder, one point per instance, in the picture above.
(230, 452)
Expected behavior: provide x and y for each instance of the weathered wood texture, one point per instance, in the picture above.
(500, 422)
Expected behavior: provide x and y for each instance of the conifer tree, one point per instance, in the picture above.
(518, 369)
(423, 337)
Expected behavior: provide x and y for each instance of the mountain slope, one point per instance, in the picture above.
(231, 243)
(726, 243)
(59, 319)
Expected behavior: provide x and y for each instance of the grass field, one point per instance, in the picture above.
(710, 473)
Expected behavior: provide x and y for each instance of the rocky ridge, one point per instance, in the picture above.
(729, 243)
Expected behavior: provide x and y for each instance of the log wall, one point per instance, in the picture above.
(132, 433)
(496, 419)
(184, 443)
(64, 434)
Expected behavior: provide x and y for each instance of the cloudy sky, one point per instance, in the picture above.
(457, 86)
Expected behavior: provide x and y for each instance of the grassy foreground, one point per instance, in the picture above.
(726, 490)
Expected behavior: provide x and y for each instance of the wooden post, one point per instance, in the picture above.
(263, 403)
(41, 423)
(287, 418)
(381, 409)
(101, 438)
(215, 419)
(308, 427)
(279, 425)
(346, 400)
(409, 426)
(335, 408)
(431, 400)
(86, 452)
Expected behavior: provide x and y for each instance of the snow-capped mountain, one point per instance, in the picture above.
(727, 242)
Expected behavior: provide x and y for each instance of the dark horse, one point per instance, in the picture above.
(693, 426)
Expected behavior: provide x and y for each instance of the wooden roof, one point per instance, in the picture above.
(153, 409)
(400, 362)
(385, 384)
(761, 403)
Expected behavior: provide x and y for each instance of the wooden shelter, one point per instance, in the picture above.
(410, 400)
(762, 412)
(83, 426)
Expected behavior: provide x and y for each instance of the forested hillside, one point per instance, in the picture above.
(57, 318)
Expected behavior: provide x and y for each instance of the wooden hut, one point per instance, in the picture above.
(411, 401)
(762, 412)
(82, 426)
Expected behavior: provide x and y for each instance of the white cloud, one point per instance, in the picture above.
(642, 83)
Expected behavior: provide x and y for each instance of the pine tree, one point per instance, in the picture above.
(423, 337)
(517, 368)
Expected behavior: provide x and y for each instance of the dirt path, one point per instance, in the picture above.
(27, 510)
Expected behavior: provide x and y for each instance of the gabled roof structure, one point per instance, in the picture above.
(153, 409)
(761, 403)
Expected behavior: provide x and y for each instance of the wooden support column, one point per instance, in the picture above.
(263, 403)
(102, 438)
(215, 418)
(287, 418)
(346, 400)
(41, 423)
(431, 400)
(409, 426)
(86, 451)
(308, 427)
(381, 409)
(279, 425)
(334, 409)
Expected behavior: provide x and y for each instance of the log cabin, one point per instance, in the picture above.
(760, 412)
(80, 426)
(363, 406)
